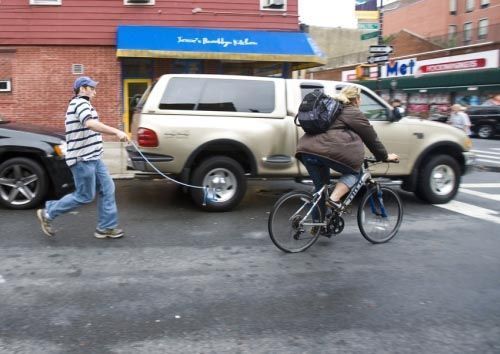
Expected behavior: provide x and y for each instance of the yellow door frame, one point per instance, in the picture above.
(126, 106)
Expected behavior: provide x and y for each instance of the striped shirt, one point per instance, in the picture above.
(83, 143)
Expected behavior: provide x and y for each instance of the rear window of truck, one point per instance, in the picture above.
(223, 95)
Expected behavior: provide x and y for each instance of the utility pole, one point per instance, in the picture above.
(380, 42)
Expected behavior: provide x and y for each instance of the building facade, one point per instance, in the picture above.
(458, 22)
(127, 44)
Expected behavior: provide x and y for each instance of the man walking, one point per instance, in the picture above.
(83, 156)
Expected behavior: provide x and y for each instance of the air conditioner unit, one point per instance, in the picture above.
(274, 4)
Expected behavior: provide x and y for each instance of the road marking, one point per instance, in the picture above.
(488, 156)
(487, 152)
(480, 185)
(495, 197)
(471, 210)
(486, 160)
(495, 148)
(2, 280)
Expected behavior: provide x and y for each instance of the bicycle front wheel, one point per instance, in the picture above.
(380, 214)
(290, 222)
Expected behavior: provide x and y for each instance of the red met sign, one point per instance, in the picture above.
(455, 65)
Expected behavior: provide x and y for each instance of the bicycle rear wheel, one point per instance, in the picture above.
(289, 229)
(380, 214)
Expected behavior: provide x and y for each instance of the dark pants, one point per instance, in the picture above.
(320, 175)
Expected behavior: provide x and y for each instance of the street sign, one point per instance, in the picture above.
(369, 35)
(378, 59)
(368, 26)
(382, 49)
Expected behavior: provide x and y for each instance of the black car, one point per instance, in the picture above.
(485, 120)
(32, 166)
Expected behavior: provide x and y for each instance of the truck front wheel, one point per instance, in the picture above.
(225, 179)
(438, 180)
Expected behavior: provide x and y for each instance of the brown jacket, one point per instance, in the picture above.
(343, 142)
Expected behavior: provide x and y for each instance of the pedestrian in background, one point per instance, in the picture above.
(493, 101)
(459, 119)
(83, 156)
(397, 108)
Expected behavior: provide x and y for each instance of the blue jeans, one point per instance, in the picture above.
(319, 171)
(89, 177)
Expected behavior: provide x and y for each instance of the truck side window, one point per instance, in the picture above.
(305, 89)
(222, 95)
(372, 109)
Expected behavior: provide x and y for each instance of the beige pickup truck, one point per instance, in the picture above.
(218, 130)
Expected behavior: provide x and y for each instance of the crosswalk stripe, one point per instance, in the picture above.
(471, 210)
(495, 197)
(487, 152)
(486, 160)
(480, 185)
(488, 156)
(495, 148)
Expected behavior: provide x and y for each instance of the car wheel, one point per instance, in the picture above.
(225, 177)
(485, 131)
(23, 183)
(439, 180)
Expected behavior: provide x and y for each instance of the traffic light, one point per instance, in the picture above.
(363, 71)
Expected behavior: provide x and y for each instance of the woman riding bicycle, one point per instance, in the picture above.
(341, 148)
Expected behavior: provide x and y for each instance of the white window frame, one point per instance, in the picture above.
(264, 3)
(45, 2)
(128, 3)
(453, 6)
(485, 28)
(8, 88)
(452, 31)
(469, 5)
(485, 3)
(468, 38)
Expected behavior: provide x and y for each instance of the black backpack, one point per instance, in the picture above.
(317, 112)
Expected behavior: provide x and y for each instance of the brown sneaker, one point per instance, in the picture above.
(45, 223)
(108, 233)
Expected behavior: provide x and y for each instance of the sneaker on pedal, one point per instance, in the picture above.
(334, 205)
(108, 233)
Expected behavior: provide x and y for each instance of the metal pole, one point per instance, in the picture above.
(380, 42)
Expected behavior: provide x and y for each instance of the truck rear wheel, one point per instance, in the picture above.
(225, 177)
(439, 180)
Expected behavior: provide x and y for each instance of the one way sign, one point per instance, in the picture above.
(378, 59)
(381, 49)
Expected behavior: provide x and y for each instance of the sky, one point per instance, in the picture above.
(329, 13)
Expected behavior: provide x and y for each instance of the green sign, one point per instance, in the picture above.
(368, 26)
(369, 35)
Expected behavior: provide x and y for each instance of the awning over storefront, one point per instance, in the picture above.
(481, 80)
(295, 48)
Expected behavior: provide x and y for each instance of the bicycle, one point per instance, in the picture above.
(380, 213)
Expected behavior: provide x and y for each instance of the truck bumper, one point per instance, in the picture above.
(469, 161)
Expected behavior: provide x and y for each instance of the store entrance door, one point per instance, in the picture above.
(132, 92)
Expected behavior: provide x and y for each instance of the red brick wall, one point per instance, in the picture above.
(6, 73)
(42, 83)
(94, 22)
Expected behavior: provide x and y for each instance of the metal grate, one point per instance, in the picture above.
(77, 69)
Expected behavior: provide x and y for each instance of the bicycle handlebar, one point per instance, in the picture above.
(367, 160)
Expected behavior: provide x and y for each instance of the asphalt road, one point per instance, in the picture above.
(184, 281)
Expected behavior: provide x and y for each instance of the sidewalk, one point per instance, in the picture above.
(115, 158)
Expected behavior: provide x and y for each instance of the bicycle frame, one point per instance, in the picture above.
(365, 176)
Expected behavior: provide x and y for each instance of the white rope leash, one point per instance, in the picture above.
(208, 193)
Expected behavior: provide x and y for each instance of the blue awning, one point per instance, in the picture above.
(204, 43)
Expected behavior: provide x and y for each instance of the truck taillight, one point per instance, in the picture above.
(147, 138)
